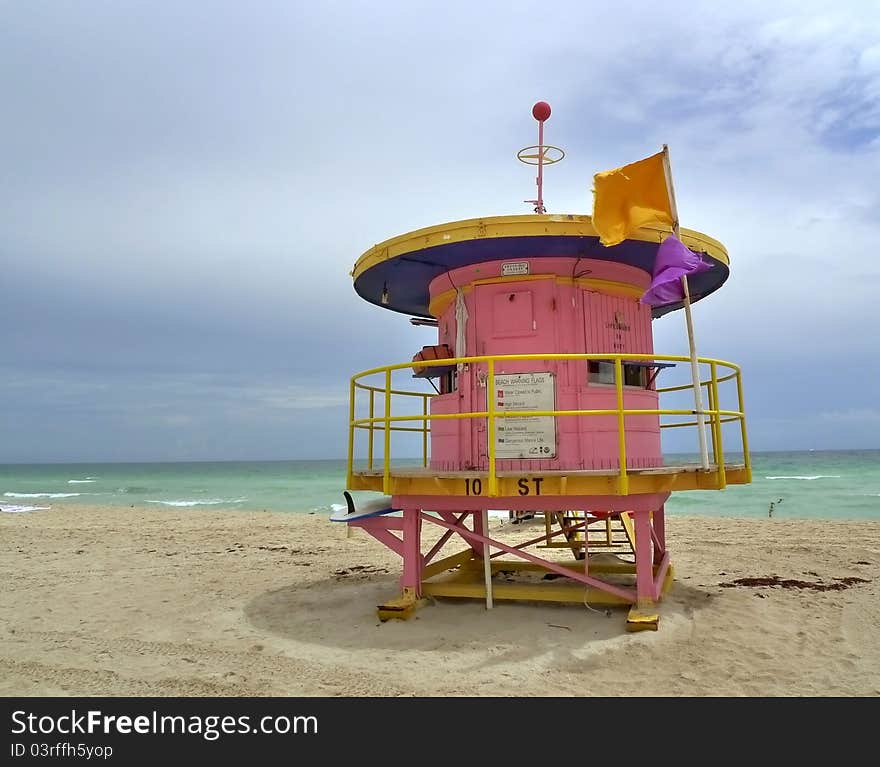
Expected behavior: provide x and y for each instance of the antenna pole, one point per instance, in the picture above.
(539, 206)
(543, 155)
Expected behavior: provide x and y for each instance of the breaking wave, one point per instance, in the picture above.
(207, 502)
(813, 476)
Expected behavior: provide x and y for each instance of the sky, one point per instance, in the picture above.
(185, 187)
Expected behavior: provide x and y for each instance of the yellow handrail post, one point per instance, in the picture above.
(421, 422)
(623, 480)
(370, 450)
(742, 423)
(710, 396)
(490, 408)
(717, 445)
(425, 431)
(349, 470)
(386, 474)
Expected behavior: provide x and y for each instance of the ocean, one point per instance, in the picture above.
(817, 484)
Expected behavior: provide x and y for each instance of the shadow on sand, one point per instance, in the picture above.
(341, 613)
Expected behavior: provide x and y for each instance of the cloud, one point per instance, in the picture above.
(186, 187)
(861, 416)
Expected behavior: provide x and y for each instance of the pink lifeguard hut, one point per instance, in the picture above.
(540, 395)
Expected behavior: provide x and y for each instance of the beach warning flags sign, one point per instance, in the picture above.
(632, 196)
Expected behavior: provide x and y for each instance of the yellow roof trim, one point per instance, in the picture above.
(518, 226)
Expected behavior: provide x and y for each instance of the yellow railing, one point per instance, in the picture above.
(386, 423)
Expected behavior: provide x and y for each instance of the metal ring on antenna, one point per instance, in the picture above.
(533, 159)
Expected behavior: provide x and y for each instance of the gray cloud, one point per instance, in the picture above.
(185, 188)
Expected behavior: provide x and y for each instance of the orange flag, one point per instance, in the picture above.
(633, 196)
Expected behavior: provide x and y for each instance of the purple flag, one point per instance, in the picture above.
(674, 260)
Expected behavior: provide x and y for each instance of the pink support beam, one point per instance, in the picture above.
(661, 574)
(412, 554)
(654, 537)
(445, 537)
(644, 557)
(626, 594)
(387, 523)
(660, 532)
(381, 534)
(478, 528)
(458, 522)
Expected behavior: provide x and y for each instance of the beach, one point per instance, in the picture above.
(137, 601)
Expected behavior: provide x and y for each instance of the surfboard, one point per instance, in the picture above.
(373, 508)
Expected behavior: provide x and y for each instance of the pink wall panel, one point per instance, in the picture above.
(551, 316)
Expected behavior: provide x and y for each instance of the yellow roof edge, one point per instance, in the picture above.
(529, 225)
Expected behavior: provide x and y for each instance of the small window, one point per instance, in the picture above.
(448, 382)
(601, 372)
(634, 375)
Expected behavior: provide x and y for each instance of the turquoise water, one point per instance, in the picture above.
(814, 485)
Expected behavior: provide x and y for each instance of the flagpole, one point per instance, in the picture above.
(695, 368)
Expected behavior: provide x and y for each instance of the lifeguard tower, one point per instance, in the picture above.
(541, 394)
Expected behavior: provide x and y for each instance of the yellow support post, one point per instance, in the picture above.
(492, 490)
(742, 423)
(386, 474)
(717, 446)
(425, 431)
(400, 608)
(710, 396)
(350, 469)
(372, 411)
(623, 480)
(629, 529)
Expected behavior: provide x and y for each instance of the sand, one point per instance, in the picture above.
(153, 602)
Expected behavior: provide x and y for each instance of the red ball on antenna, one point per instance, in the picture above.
(541, 111)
